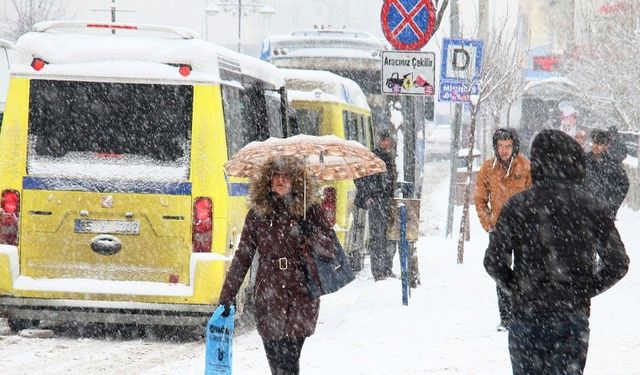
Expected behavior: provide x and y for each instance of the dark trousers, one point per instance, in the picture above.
(548, 344)
(284, 355)
(504, 306)
(381, 250)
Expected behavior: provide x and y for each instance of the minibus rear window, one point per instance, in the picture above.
(308, 121)
(123, 130)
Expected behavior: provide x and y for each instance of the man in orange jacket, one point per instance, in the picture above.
(500, 177)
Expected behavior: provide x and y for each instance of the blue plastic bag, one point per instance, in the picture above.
(219, 342)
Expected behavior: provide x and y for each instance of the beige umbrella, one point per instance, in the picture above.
(327, 157)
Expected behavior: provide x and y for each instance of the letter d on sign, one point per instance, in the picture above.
(460, 59)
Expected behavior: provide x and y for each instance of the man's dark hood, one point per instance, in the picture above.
(556, 156)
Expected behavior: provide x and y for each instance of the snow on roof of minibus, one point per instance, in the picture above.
(82, 52)
(326, 33)
(313, 96)
(6, 44)
(342, 88)
(331, 52)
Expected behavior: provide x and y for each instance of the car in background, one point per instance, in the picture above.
(325, 103)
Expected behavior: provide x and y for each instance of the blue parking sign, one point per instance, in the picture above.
(455, 91)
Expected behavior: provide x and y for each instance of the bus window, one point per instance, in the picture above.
(135, 123)
(361, 132)
(254, 113)
(274, 116)
(369, 133)
(308, 121)
(232, 119)
(350, 132)
(249, 116)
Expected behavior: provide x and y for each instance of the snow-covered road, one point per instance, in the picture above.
(448, 327)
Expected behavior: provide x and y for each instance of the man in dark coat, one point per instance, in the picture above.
(566, 250)
(606, 179)
(375, 193)
(617, 147)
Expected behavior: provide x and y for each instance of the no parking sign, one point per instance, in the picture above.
(407, 24)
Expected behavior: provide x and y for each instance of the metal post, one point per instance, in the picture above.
(113, 15)
(239, 26)
(404, 254)
(455, 128)
(455, 135)
(410, 119)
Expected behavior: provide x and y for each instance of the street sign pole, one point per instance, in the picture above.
(455, 129)
(408, 25)
(404, 254)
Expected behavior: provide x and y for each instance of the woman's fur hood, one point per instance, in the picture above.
(260, 191)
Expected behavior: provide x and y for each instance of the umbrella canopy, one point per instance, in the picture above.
(327, 157)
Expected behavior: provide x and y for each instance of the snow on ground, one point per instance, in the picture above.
(447, 328)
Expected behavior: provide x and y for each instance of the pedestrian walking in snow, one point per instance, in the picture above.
(375, 193)
(500, 177)
(606, 179)
(582, 138)
(276, 229)
(555, 233)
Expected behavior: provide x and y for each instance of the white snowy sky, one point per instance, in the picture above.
(289, 15)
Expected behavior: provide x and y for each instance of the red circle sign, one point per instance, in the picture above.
(407, 24)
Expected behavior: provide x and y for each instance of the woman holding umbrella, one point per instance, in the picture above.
(281, 226)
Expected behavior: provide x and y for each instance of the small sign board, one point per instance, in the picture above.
(408, 24)
(408, 73)
(461, 59)
(461, 65)
(455, 91)
(413, 219)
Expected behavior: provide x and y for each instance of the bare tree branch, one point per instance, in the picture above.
(440, 13)
(26, 13)
(603, 67)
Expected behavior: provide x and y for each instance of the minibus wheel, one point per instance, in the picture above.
(18, 325)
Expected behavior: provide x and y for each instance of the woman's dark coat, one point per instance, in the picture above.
(606, 180)
(554, 231)
(283, 307)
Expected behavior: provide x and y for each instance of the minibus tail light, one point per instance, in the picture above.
(37, 64)
(202, 227)
(329, 204)
(184, 70)
(9, 217)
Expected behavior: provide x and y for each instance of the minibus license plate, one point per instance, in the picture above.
(107, 226)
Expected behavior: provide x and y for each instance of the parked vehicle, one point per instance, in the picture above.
(115, 207)
(356, 55)
(326, 103)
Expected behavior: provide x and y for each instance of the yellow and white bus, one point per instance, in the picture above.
(114, 203)
(325, 103)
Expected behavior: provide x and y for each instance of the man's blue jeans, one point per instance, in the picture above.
(548, 344)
